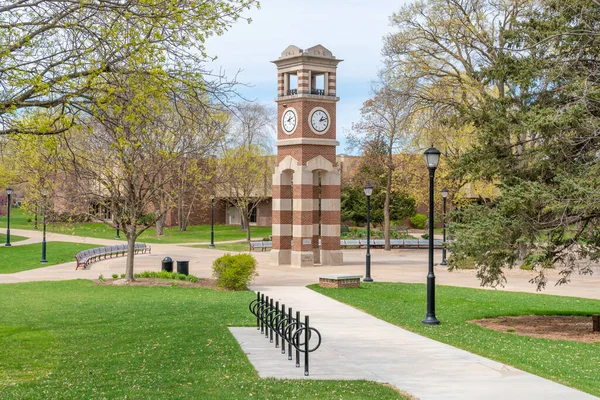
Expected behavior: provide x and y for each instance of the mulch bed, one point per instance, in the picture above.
(202, 283)
(557, 327)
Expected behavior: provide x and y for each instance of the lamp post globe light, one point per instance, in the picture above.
(432, 159)
(212, 221)
(8, 193)
(44, 194)
(368, 192)
(444, 196)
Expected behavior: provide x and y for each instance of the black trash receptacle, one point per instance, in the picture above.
(167, 264)
(183, 267)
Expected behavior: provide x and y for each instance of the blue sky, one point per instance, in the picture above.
(352, 29)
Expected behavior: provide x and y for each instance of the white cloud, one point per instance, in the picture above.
(353, 30)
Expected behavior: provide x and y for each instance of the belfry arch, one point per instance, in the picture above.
(306, 181)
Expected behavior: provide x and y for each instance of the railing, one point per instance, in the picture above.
(273, 320)
(318, 92)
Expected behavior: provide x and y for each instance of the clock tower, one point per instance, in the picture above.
(306, 182)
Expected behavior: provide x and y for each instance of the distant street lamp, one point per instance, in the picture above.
(368, 192)
(444, 195)
(44, 194)
(432, 159)
(117, 236)
(8, 193)
(212, 221)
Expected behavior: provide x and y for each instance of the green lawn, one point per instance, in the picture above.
(21, 258)
(195, 233)
(78, 340)
(13, 238)
(571, 363)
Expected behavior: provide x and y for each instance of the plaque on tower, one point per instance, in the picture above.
(306, 181)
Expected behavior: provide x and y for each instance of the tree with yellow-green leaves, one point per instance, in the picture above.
(128, 157)
(245, 173)
(384, 130)
(54, 55)
(36, 164)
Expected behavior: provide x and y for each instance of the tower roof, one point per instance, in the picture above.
(318, 53)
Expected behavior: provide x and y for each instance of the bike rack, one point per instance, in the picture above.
(272, 319)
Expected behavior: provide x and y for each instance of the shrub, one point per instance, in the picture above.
(123, 276)
(166, 275)
(418, 221)
(425, 236)
(101, 278)
(234, 272)
(115, 276)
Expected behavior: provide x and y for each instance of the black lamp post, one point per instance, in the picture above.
(368, 191)
(8, 193)
(444, 195)
(117, 236)
(212, 221)
(432, 158)
(44, 194)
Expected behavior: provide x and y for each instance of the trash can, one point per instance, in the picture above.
(167, 264)
(183, 267)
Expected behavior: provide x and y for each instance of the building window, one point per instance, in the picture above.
(253, 215)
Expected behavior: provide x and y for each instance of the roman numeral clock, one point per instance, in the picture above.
(306, 181)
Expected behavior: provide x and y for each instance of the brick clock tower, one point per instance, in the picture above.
(306, 182)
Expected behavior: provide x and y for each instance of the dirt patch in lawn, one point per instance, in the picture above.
(558, 327)
(202, 283)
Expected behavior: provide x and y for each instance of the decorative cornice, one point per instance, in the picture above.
(313, 141)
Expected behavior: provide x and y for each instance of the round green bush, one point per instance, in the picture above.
(418, 221)
(234, 272)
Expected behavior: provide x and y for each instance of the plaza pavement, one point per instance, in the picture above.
(355, 344)
(398, 265)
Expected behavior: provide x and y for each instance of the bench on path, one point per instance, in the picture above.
(263, 245)
(362, 243)
(400, 228)
(86, 257)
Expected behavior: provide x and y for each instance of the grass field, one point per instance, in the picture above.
(78, 340)
(13, 238)
(571, 363)
(22, 258)
(194, 233)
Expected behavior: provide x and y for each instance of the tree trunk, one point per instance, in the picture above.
(386, 212)
(160, 225)
(131, 238)
(243, 218)
(246, 223)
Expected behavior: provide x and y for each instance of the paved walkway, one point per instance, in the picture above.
(358, 346)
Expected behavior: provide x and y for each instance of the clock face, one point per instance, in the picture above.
(288, 121)
(319, 120)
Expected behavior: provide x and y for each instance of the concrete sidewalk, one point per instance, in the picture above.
(359, 346)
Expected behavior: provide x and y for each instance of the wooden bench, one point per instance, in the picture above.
(86, 257)
(339, 281)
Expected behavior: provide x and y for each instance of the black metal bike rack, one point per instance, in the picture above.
(273, 320)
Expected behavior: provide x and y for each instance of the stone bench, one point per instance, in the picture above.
(339, 281)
